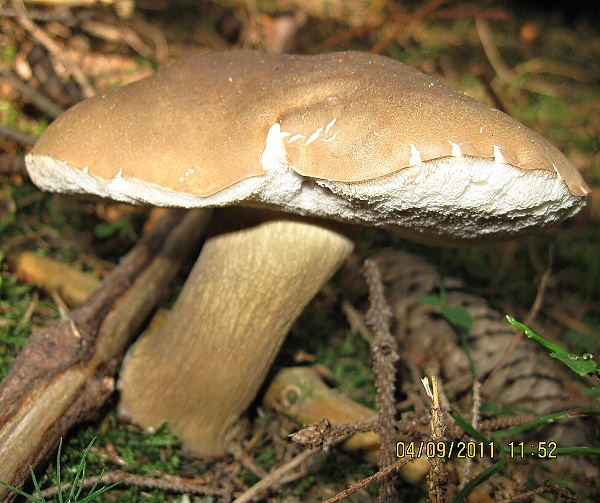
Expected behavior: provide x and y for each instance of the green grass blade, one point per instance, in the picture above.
(79, 479)
(532, 335)
(58, 479)
(93, 489)
(38, 490)
(545, 420)
(23, 493)
(481, 477)
(99, 492)
(468, 428)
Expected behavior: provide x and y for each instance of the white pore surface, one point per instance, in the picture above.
(457, 196)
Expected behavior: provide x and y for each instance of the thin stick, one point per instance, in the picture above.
(45, 16)
(380, 475)
(437, 474)
(427, 10)
(466, 475)
(66, 371)
(537, 304)
(30, 94)
(166, 483)
(14, 135)
(384, 353)
(491, 51)
(56, 51)
(275, 477)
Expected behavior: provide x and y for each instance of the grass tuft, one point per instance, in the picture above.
(74, 489)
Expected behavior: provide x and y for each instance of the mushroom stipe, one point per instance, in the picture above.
(351, 137)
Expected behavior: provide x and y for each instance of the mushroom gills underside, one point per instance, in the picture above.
(443, 201)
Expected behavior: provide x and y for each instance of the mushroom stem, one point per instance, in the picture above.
(246, 289)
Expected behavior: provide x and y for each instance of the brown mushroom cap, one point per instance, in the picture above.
(352, 136)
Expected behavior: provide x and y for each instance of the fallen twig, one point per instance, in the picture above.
(475, 413)
(73, 285)
(275, 477)
(546, 488)
(30, 94)
(66, 371)
(168, 483)
(533, 312)
(299, 392)
(438, 478)
(384, 353)
(423, 13)
(17, 136)
(361, 484)
(42, 37)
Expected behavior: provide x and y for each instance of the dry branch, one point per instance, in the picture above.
(384, 354)
(438, 477)
(73, 286)
(167, 483)
(66, 371)
(299, 393)
(273, 478)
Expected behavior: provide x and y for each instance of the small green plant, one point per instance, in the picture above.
(460, 319)
(76, 487)
(582, 365)
(122, 227)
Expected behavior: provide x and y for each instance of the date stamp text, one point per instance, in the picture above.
(472, 449)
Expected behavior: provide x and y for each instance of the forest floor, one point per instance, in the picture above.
(540, 66)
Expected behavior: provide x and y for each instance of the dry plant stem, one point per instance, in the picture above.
(146, 30)
(37, 15)
(73, 285)
(437, 479)
(275, 477)
(466, 475)
(248, 462)
(384, 353)
(571, 322)
(356, 321)
(204, 366)
(491, 51)
(426, 11)
(167, 483)
(548, 487)
(30, 94)
(380, 475)
(400, 23)
(505, 73)
(299, 393)
(66, 371)
(16, 136)
(533, 312)
(493, 97)
(125, 34)
(43, 38)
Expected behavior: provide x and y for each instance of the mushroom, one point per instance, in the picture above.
(303, 147)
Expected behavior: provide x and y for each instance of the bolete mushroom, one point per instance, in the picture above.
(347, 137)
